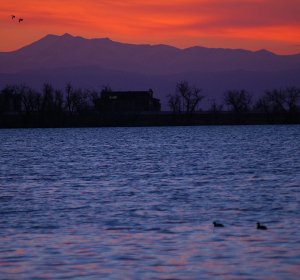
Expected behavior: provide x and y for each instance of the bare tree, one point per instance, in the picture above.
(215, 107)
(47, 100)
(190, 96)
(76, 100)
(10, 100)
(81, 100)
(262, 105)
(69, 94)
(279, 101)
(58, 101)
(175, 103)
(292, 99)
(186, 98)
(31, 99)
(106, 88)
(94, 97)
(238, 100)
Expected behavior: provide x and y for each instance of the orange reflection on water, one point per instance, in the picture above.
(19, 252)
(224, 253)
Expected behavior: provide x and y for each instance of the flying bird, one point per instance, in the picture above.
(13, 16)
(20, 19)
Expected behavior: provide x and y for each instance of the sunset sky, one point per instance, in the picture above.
(248, 24)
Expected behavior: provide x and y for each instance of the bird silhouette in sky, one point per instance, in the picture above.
(13, 16)
(20, 19)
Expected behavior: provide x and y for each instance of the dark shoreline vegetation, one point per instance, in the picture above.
(24, 107)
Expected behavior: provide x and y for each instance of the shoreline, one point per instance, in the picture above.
(96, 119)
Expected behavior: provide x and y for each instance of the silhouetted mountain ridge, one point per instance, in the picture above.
(59, 51)
(92, 63)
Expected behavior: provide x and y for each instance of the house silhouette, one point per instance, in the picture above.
(128, 101)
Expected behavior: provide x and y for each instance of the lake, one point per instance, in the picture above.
(138, 203)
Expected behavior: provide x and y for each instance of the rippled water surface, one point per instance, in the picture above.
(138, 203)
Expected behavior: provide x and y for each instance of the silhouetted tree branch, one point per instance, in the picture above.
(279, 101)
(215, 107)
(95, 99)
(30, 98)
(292, 99)
(47, 102)
(175, 103)
(186, 98)
(58, 101)
(238, 100)
(10, 100)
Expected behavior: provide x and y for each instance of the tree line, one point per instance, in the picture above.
(71, 100)
(187, 99)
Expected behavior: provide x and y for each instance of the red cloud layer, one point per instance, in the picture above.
(248, 24)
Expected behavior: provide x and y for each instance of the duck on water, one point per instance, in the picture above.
(260, 226)
(216, 224)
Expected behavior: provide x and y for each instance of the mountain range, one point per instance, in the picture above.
(94, 63)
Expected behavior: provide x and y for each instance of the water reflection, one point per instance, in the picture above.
(139, 203)
(186, 252)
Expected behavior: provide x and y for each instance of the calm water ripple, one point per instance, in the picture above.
(138, 203)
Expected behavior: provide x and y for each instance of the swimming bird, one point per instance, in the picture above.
(259, 226)
(216, 224)
(13, 16)
(20, 19)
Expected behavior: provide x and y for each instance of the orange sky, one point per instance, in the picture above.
(248, 24)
